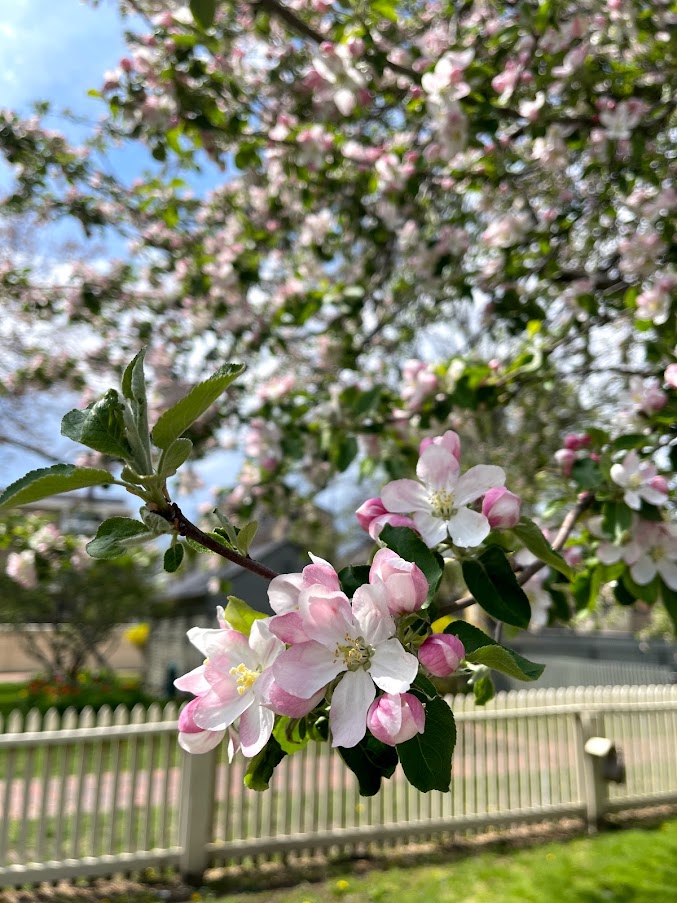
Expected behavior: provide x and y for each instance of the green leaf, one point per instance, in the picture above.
(586, 473)
(484, 690)
(133, 380)
(616, 519)
(531, 536)
(138, 433)
(352, 577)
(384, 8)
(411, 547)
(262, 766)
(101, 427)
(291, 734)
(370, 761)
(180, 416)
(173, 558)
(176, 454)
(39, 484)
(203, 12)
(480, 649)
(426, 758)
(240, 615)
(245, 536)
(115, 535)
(492, 582)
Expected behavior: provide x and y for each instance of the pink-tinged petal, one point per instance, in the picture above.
(369, 511)
(327, 615)
(438, 468)
(371, 612)
(217, 710)
(643, 571)
(468, 528)
(349, 706)
(283, 592)
(202, 742)
(193, 682)
(283, 703)
(404, 496)
(668, 571)
(403, 594)
(187, 723)
(305, 669)
(263, 643)
(229, 643)
(476, 481)
(256, 726)
(394, 520)
(433, 530)
(320, 571)
(448, 440)
(289, 628)
(393, 669)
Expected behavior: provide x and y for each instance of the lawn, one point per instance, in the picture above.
(621, 866)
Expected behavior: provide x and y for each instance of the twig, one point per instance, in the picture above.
(184, 527)
(584, 502)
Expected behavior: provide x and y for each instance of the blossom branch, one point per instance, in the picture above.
(584, 502)
(184, 527)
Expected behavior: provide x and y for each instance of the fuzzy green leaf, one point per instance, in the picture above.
(262, 766)
(531, 536)
(185, 412)
(101, 427)
(492, 582)
(40, 484)
(240, 615)
(174, 456)
(173, 558)
(113, 537)
(480, 649)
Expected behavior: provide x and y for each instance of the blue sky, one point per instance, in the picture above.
(57, 50)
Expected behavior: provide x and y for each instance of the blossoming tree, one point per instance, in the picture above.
(442, 241)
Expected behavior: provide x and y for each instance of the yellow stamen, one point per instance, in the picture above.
(245, 677)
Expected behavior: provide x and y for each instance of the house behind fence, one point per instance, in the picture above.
(88, 795)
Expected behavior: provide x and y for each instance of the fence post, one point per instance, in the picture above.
(591, 780)
(196, 814)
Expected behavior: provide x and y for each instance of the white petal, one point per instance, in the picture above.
(643, 571)
(608, 553)
(668, 571)
(393, 668)
(193, 682)
(349, 706)
(632, 499)
(433, 529)
(265, 646)
(256, 726)
(371, 612)
(199, 636)
(345, 101)
(200, 742)
(327, 615)
(477, 481)
(304, 669)
(403, 496)
(653, 496)
(438, 468)
(468, 528)
(283, 592)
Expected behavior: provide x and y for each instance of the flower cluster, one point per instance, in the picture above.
(319, 650)
(438, 506)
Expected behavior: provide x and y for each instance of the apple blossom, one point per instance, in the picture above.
(356, 644)
(441, 654)
(395, 718)
(639, 480)
(439, 502)
(657, 544)
(670, 376)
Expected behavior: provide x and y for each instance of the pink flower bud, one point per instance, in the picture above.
(187, 723)
(396, 718)
(371, 509)
(405, 583)
(501, 508)
(577, 441)
(449, 440)
(670, 376)
(441, 654)
(565, 458)
(660, 484)
(394, 520)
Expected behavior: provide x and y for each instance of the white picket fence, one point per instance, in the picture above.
(87, 795)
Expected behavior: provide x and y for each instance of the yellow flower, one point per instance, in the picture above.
(138, 635)
(342, 885)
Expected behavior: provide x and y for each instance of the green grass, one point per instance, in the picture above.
(629, 866)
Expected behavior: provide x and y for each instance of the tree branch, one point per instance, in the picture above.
(184, 527)
(584, 502)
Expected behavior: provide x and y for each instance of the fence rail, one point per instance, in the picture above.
(87, 795)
